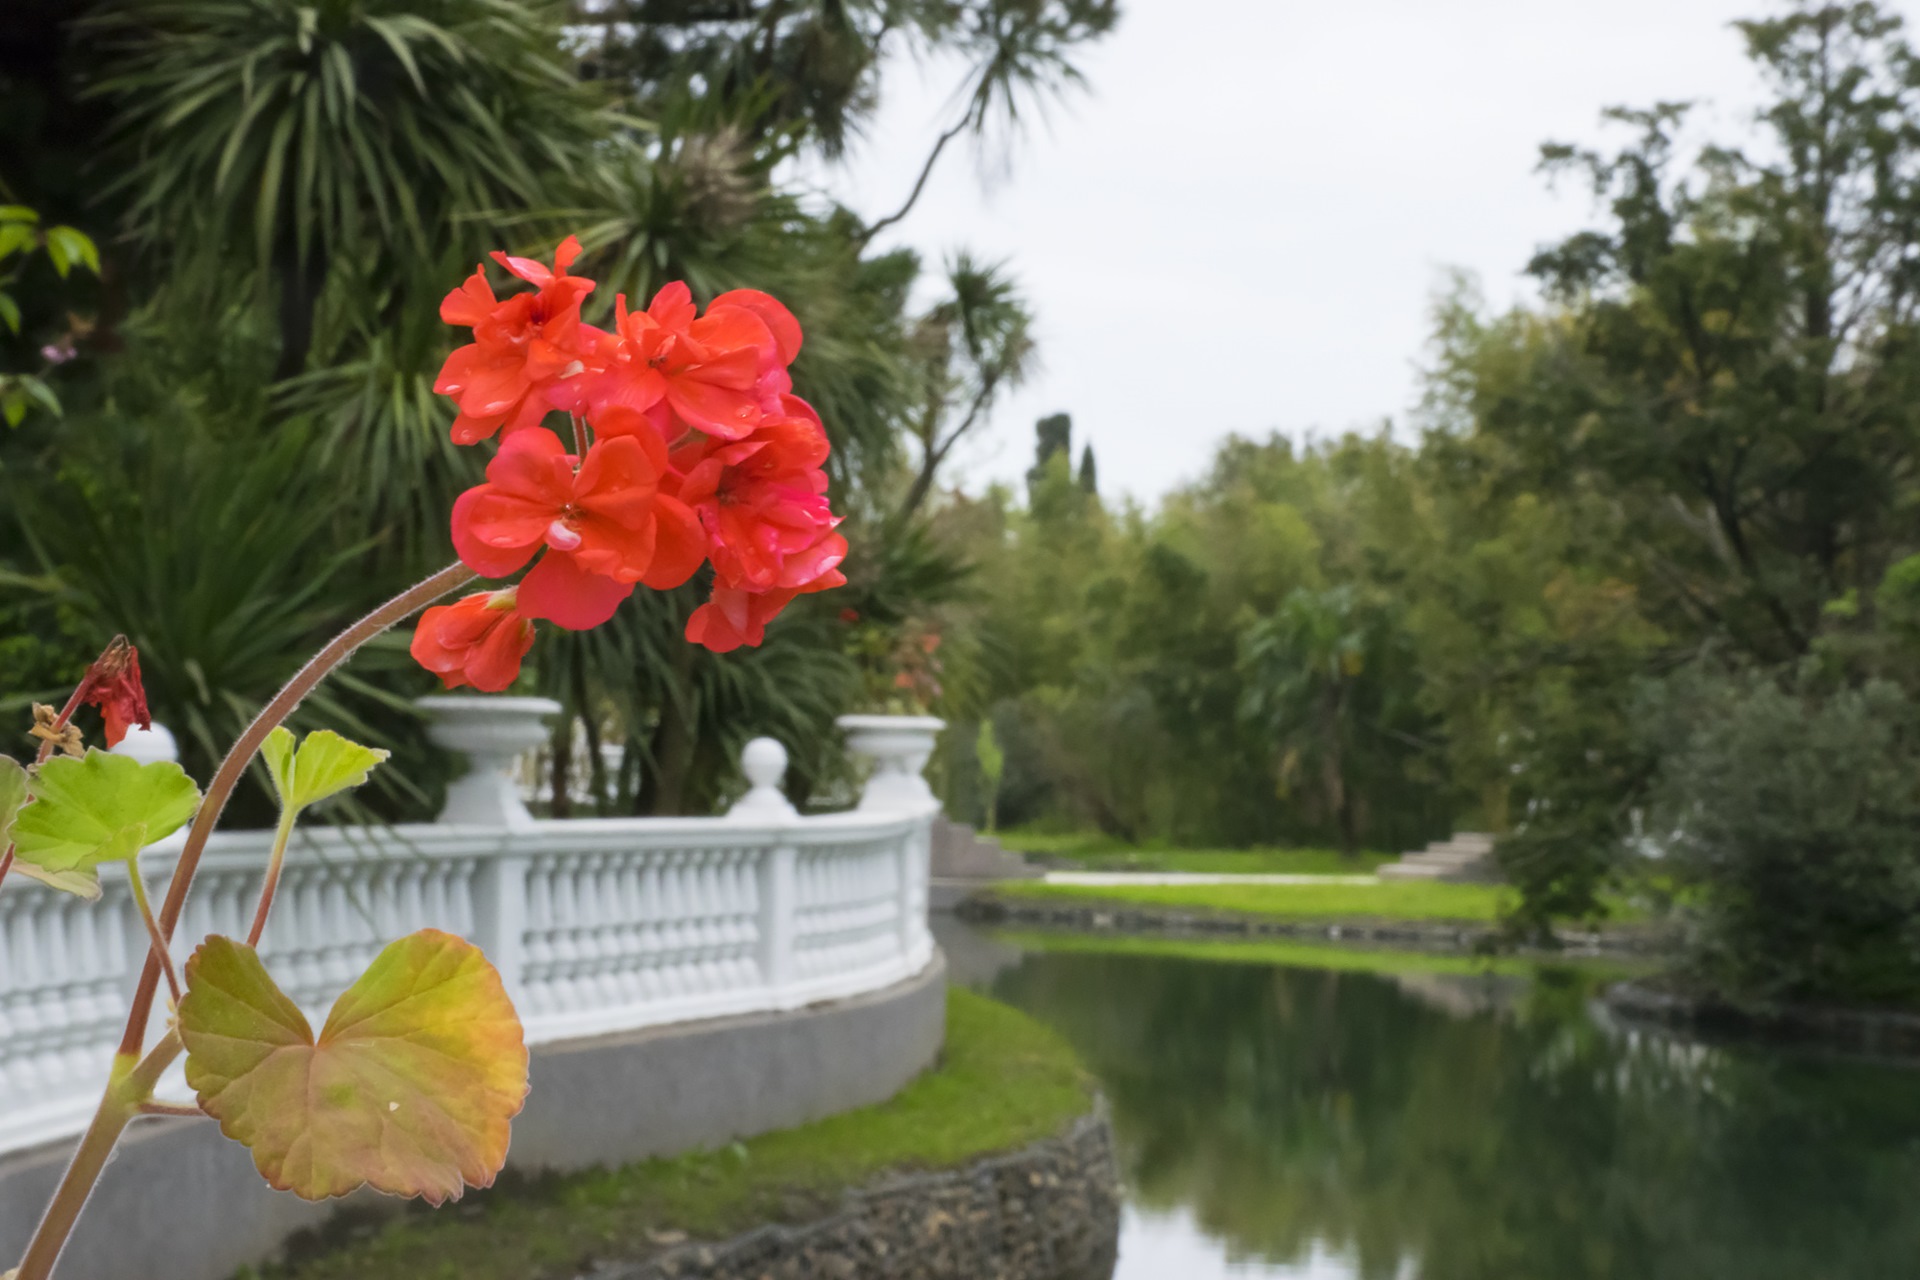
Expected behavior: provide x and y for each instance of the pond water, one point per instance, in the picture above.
(1284, 1120)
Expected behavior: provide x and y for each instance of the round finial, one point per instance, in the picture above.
(149, 746)
(764, 762)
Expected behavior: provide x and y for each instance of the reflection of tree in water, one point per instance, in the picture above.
(1287, 1106)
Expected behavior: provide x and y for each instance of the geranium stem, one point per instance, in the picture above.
(127, 1090)
(156, 942)
(267, 890)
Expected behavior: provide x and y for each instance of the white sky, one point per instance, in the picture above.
(1242, 225)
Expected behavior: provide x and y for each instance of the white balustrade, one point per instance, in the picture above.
(597, 925)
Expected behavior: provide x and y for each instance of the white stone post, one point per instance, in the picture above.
(900, 747)
(765, 763)
(500, 918)
(492, 733)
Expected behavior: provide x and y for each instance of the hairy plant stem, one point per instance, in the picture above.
(156, 943)
(281, 834)
(128, 1088)
(131, 1084)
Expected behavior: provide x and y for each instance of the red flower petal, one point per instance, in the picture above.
(679, 547)
(716, 410)
(779, 321)
(563, 593)
(483, 558)
(471, 303)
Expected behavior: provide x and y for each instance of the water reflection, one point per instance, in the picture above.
(1292, 1122)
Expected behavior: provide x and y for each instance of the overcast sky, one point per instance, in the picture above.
(1240, 227)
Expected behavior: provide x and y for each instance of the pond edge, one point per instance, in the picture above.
(1884, 1034)
(1046, 1211)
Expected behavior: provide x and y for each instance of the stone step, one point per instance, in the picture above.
(1465, 856)
(960, 853)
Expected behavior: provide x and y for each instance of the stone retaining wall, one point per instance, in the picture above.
(1050, 1211)
(1876, 1033)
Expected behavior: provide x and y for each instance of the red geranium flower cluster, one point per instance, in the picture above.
(688, 448)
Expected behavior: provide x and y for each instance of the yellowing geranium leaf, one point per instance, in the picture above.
(325, 765)
(99, 808)
(81, 884)
(410, 1088)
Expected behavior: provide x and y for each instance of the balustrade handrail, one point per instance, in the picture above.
(597, 925)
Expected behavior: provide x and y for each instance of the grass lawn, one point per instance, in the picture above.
(1095, 852)
(1002, 1082)
(1390, 900)
(1299, 955)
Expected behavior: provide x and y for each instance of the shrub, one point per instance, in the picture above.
(1796, 820)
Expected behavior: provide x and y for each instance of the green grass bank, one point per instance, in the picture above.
(1095, 852)
(1331, 957)
(1003, 1081)
(1391, 900)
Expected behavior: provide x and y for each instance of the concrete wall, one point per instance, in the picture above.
(181, 1202)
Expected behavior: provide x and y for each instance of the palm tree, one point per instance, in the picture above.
(290, 136)
(1301, 666)
(974, 346)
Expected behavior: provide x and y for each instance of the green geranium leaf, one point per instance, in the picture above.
(411, 1087)
(100, 808)
(13, 794)
(325, 765)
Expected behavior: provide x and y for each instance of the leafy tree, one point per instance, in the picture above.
(1737, 340)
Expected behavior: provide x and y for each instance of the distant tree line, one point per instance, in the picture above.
(1641, 594)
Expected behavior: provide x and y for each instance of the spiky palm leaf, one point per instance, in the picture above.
(328, 126)
(217, 561)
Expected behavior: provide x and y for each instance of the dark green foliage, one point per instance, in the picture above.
(1794, 811)
(253, 454)
(122, 543)
(301, 136)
